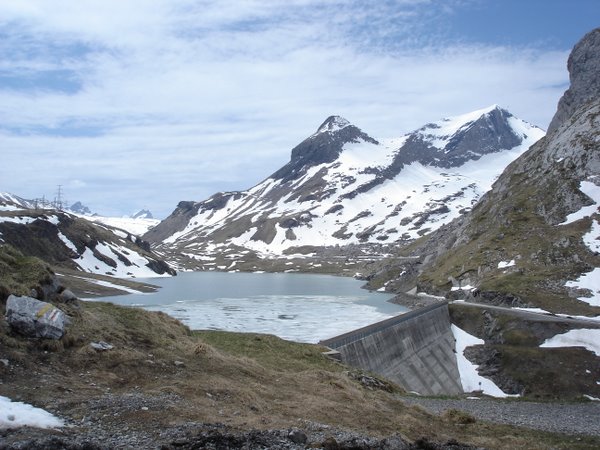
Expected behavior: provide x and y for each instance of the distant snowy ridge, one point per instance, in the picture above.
(142, 214)
(79, 242)
(10, 201)
(342, 186)
(134, 225)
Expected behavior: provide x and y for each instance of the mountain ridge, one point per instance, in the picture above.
(76, 242)
(342, 187)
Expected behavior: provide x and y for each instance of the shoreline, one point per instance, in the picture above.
(91, 286)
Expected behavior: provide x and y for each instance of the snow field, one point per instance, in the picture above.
(137, 227)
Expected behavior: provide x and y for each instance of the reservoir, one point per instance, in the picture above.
(298, 307)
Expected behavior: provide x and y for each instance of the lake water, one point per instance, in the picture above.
(298, 307)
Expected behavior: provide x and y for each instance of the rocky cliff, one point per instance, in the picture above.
(584, 66)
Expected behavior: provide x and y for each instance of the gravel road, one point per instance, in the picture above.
(569, 418)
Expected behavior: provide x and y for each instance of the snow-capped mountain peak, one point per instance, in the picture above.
(324, 146)
(142, 214)
(443, 129)
(333, 124)
(342, 186)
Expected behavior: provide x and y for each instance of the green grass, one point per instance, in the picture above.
(19, 274)
(270, 351)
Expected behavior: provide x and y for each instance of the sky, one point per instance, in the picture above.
(144, 103)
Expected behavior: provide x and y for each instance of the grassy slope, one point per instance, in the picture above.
(242, 380)
(546, 255)
(19, 274)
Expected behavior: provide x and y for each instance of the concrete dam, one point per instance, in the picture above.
(416, 350)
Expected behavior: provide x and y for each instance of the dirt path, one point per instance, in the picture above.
(569, 418)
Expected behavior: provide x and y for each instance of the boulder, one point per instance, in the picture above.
(67, 296)
(33, 318)
(101, 346)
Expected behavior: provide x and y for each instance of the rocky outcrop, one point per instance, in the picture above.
(322, 147)
(33, 318)
(80, 208)
(584, 74)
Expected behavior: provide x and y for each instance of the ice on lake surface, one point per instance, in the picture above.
(298, 307)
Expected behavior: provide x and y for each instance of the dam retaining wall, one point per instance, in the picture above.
(415, 350)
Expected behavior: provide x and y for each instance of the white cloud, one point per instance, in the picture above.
(199, 96)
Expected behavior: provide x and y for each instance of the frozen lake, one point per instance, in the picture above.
(298, 307)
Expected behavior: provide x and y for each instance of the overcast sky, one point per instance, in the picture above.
(133, 104)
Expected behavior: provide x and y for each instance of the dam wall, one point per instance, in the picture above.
(416, 350)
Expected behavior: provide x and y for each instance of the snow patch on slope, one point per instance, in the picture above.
(585, 337)
(19, 414)
(88, 262)
(469, 377)
(592, 191)
(591, 281)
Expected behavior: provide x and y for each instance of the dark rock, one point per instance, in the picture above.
(161, 267)
(33, 318)
(297, 436)
(67, 296)
(330, 444)
(489, 361)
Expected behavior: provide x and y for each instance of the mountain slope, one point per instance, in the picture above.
(66, 240)
(526, 239)
(343, 187)
(533, 239)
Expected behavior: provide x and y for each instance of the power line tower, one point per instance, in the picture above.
(58, 200)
